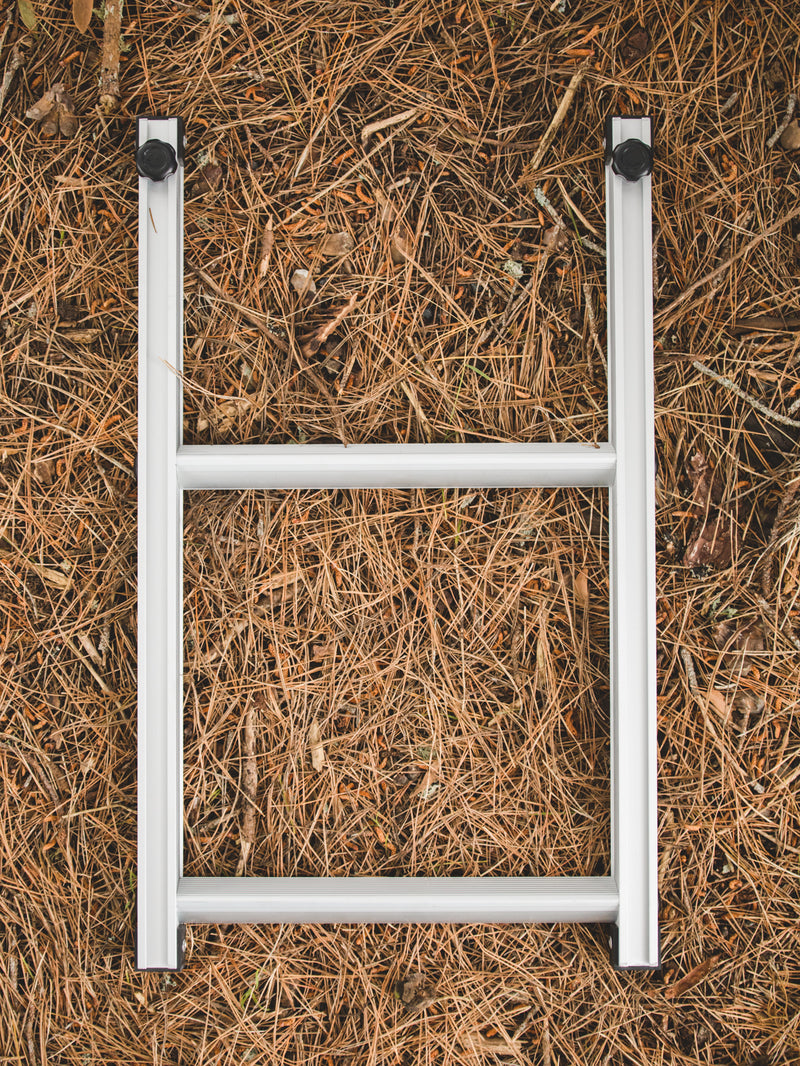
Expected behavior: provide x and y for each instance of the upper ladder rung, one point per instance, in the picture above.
(395, 466)
(397, 899)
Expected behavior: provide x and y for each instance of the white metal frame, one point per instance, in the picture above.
(627, 899)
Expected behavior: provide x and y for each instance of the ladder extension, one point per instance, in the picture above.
(625, 465)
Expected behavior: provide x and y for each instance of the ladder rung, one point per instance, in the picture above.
(394, 466)
(397, 899)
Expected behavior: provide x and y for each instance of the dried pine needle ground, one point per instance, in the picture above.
(400, 681)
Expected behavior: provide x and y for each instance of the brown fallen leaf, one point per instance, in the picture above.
(336, 244)
(385, 123)
(636, 45)
(739, 642)
(303, 284)
(411, 986)
(315, 746)
(775, 75)
(415, 993)
(50, 576)
(401, 243)
(719, 703)
(224, 416)
(279, 581)
(715, 543)
(715, 539)
(67, 119)
(209, 177)
(429, 783)
(555, 239)
(81, 336)
(706, 483)
(56, 111)
(790, 138)
(319, 652)
(82, 14)
(44, 470)
(693, 977)
(45, 104)
(388, 212)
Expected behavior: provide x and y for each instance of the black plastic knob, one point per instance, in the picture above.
(156, 160)
(633, 159)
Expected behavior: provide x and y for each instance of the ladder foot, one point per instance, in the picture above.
(613, 951)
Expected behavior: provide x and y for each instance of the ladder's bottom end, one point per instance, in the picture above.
(181, 956)
(613, 946)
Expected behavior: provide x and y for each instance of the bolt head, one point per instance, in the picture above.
(156, 160)
(633, 159)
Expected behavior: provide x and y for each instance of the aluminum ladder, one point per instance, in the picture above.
(625, 465)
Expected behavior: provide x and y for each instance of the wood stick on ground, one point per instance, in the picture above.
(318, 338)
(555, 123)
(384, 123)
(791, 104)
(109, 74)
(587, 295)
(691, 675)
(14, 63)
(267, 241)
(731, 386)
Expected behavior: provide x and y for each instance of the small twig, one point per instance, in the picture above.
(541, 199)
(14, 63)
(307, 150)
(587, 295)
(267, 242)
(729, 103)
(587, 242)
(411, 395)
(7, 27)
(109, 71)
(791, 104)
(691, 675)
(384, 123)
(764, 323)
(547, 1055)
(318, 338)
(726, 383)
(73, 647)
(558, 118)
(249, 788)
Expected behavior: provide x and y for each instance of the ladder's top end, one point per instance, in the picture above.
(629, 157)
(144, 133)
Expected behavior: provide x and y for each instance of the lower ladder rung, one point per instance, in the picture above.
(397, 899)
(389, 466)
